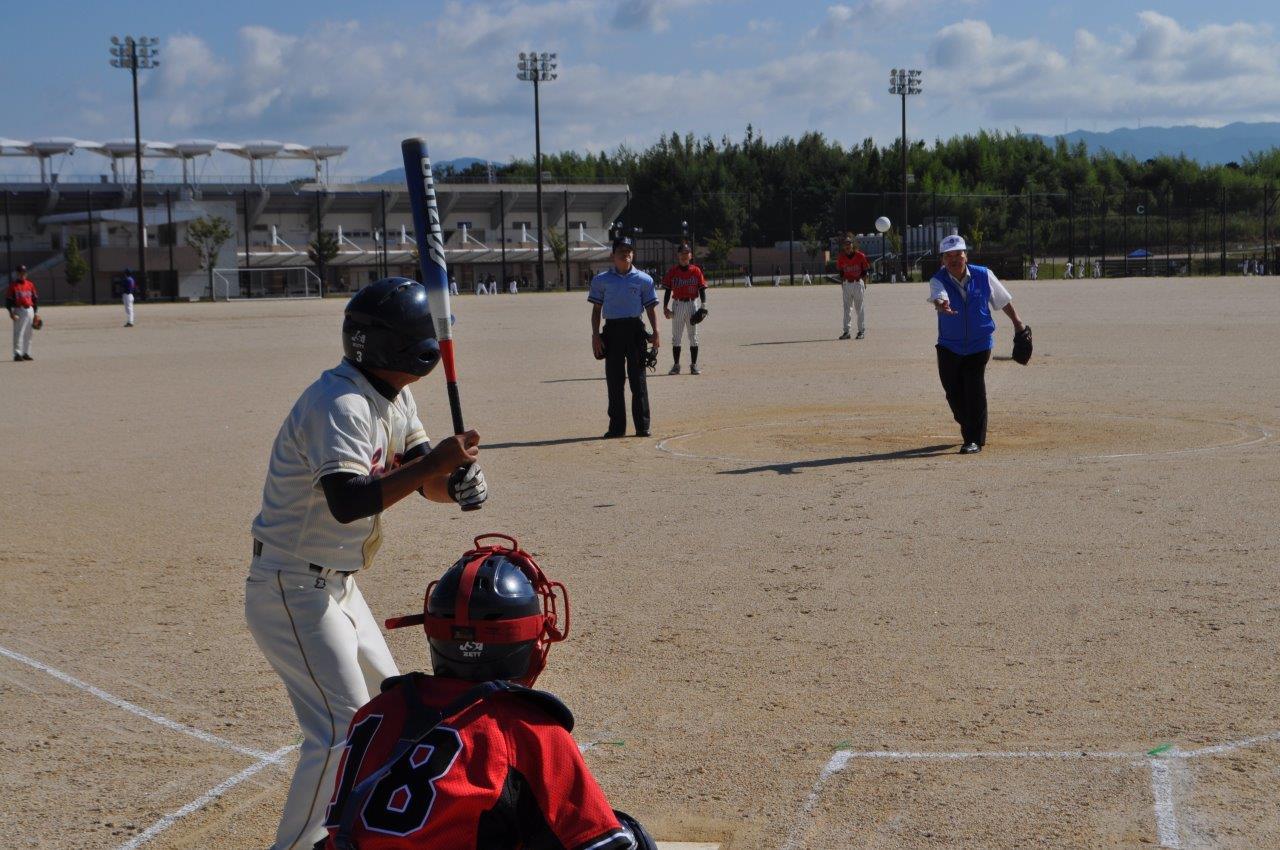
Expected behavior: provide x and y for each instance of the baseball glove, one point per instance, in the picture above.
(37, 322)
(1022, 345)
(698, 315)
(651, 358)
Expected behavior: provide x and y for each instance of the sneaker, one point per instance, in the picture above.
(17, 358)
(845, 335)
(128, 324)
(694, 370)
(612, 435)
(675, 369)
(642, 433)
(861, 334)
(970, 449)
(27, 357)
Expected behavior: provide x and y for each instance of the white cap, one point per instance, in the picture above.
(952, 243)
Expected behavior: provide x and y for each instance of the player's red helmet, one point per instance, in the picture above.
(493, 615)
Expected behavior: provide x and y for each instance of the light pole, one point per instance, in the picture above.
(903, 82)
(537, 68)
(133, 54)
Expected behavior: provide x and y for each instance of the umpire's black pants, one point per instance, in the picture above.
(964, 377)
(625, 341)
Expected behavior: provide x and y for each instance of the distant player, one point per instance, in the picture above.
(23, 303)
(470, 758)
(351, 447)
(1097, 268)
(128, 290)
(620, 295)
(1069, 273)
(1035, 270)
(853, 266)
(685, 284)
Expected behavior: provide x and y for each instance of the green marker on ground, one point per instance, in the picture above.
(1160, 749)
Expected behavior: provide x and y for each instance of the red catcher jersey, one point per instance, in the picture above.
(500, 775)
(685, 282)
(852, 268)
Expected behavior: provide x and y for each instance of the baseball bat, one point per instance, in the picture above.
(431, 262)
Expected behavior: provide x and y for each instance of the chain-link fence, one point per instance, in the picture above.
(1189, 230)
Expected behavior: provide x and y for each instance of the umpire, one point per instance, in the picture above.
(620, 295)
(965, 296)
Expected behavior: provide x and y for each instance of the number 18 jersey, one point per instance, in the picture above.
(499, 775)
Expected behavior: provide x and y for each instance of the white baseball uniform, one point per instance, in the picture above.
(687, 284)
(301, 600)
(24, 317)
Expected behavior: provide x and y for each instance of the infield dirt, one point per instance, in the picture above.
(794, 564)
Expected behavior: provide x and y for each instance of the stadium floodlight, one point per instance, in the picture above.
(534, 67)
(904, 82)
(133, 54)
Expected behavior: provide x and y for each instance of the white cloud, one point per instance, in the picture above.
(1161, 72)
(650, 15)
(453, 80)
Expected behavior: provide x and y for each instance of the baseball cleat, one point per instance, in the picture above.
(675, 369)
(694, 370)
(613, 435)
(27, 357)
(861, 334)
(845, 335)
(970, 449)
(642, 433)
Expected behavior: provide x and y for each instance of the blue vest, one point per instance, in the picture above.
(972, 329)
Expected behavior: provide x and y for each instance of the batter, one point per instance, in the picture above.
(352, 446)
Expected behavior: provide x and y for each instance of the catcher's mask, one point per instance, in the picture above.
(493, 615)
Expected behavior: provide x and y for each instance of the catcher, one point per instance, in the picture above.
(470, 757)
(685, 283)
(964, 296)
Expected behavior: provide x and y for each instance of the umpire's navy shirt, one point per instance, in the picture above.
(622, 296)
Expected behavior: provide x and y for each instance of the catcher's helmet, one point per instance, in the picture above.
(388, 325)
(492, 615)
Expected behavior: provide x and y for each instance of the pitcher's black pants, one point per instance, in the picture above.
(964, 377)
(625, 341)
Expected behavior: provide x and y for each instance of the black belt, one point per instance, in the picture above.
(315, 568)
(629, 319)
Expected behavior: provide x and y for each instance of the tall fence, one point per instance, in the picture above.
(1186, 230)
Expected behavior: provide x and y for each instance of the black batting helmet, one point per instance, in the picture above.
(492, 615)
(388, 325)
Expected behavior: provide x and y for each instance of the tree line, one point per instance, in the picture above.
(758, 191)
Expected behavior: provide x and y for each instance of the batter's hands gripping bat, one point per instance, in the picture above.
(435, 274)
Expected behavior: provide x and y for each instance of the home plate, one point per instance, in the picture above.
(687, 845)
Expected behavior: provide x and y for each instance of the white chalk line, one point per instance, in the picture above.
(206, 798)
(1249, 435)
(139, 711)
(1164, 767)
(1167, 832)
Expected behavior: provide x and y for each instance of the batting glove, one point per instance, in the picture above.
(467, 486)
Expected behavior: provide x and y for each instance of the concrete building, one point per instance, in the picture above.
(489, 227)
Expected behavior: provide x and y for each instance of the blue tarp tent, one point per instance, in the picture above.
(1139, 254)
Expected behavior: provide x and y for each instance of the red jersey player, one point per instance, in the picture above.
(684, 282)
(470, 757)
(853, 266)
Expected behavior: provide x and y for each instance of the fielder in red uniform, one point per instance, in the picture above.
(853, 266)
(685, 284)
(471, 757)
(23, 304)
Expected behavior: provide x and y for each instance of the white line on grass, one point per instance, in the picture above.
(207, 737)
(206, 798)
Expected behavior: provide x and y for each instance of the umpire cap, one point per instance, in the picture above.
(388, 325)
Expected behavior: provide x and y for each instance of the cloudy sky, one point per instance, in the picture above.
(368, 74)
